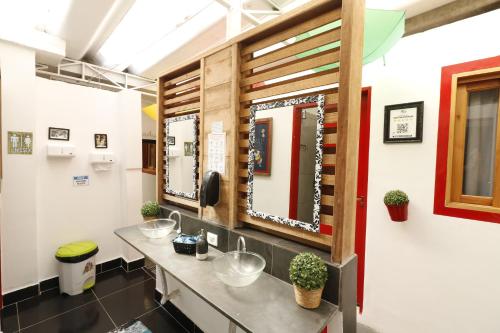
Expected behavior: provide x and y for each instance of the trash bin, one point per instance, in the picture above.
(76, 266)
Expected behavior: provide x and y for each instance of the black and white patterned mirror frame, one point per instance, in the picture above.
(320, 101)
(190, 195)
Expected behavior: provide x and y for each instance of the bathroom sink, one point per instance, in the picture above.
(239, 268)
(158, 228)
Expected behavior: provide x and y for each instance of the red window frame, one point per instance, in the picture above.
(440, 207)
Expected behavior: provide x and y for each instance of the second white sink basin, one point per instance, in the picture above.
(238, 268)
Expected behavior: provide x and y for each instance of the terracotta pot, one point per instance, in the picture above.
(309, 299)
(398, 213)
(149, 218)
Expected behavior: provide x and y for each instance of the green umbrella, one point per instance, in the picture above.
(383, 29)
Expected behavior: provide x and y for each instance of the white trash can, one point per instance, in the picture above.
(76, 267)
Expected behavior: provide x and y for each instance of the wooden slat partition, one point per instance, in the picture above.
(279, 65)
(179, 94)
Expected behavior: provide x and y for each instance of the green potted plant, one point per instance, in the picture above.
(397, 204)
(150, 210)
(308, 274)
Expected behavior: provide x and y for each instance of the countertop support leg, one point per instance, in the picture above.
(166, 296)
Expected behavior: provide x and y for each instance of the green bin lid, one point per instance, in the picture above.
(75, 249)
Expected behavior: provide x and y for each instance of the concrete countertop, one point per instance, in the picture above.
(267, 305)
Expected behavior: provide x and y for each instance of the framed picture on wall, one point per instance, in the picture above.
(58, 134)
(171, 140)
(188, 149)
(101, 140)
(403, 122)
(263, 146)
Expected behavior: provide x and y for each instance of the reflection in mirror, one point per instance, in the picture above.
(181, 160)
(284, 161)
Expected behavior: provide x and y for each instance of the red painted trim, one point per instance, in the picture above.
(328, 165)
(330, 125)
(325, 229)
(362, 191)
(325, 330)
(442, 141)
(295, 162)
(329, 145)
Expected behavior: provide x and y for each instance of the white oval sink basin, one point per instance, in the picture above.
(238, 268)
(158, 228)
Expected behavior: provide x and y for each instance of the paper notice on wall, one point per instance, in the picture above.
(217, 127)
(217, 152)
(80, 180)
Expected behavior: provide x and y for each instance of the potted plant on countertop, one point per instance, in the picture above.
(150, 210)
(308, 274)
(397, 204)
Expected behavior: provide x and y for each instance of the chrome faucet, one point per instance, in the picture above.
(241, 243)
(175, 212)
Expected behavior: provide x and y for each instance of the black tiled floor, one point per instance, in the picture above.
(117, 279)
(48, 304)
(160, 320)
(90, 318)
(9, 319)
(121, 297)
(130, 302)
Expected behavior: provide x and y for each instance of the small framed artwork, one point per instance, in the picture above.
(101, 140)
(171, 140)
(58, 134)
(403, 122)
(263, 144)
(188, 149)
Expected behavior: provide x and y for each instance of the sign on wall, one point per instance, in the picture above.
(217, 152)
(20, 143)
(403, 122)
(80, 180)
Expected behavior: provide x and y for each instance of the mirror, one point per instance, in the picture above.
(285, 161)
(181, 160)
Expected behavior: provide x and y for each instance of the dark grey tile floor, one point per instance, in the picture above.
(117, 298)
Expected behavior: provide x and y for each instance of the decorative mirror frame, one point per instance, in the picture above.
(190, 195)
(320, 101)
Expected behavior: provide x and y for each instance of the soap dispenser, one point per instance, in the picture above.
(201, 246)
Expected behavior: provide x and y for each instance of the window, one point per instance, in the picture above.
(149, 156)
(468, 158)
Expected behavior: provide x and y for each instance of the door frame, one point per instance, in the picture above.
(362, 190)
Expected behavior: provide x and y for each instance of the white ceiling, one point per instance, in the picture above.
(145, 36)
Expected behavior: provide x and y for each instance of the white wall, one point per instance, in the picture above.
(40, 207)
(148, 181)
(271, 194)
(432, 273)
(19, 171)
(67, 213)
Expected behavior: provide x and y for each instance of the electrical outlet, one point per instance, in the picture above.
(212, 239)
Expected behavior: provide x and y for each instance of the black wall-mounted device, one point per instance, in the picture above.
(210, 187)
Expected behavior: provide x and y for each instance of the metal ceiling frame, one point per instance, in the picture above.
(80, 72)
(249, 13)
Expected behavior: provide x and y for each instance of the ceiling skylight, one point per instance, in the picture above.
(154, 28)
(43, 15)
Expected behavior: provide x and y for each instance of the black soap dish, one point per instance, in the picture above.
(185, 244)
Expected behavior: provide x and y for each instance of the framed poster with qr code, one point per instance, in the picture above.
(403, 122)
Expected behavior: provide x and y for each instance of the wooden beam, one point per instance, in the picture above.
(346, 167)
(449, 13)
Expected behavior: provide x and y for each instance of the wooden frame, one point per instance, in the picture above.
(419, 122)
(231, 77)
(463, 85)
(468, 72)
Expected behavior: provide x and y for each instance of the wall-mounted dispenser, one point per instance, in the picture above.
(55, 150)
(102, 161)
(210, 187)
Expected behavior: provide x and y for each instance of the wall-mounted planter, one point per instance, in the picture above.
(398, 213)
(397, 205)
